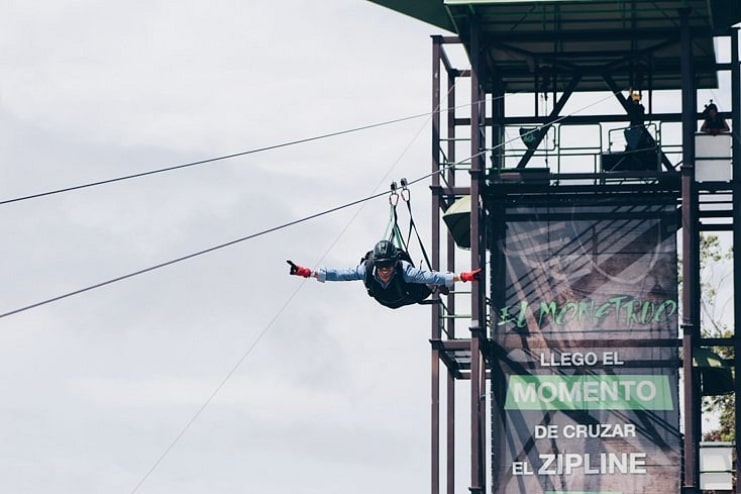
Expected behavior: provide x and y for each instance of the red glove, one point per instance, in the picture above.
(470, 275)
(297, 270)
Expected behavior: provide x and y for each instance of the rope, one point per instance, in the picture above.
(494, 148)
(262, 333)
(220, 158)
(248, 351)
(186, 257)
(406, 195)
(254, 235)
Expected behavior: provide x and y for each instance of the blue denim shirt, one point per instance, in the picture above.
(409, 273)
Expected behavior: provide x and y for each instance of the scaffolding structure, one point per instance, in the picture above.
(562, 49)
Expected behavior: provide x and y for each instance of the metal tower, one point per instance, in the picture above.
(589, 189)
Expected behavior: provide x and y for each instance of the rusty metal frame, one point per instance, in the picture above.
(465, 358)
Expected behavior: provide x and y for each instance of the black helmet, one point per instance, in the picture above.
(385, 252)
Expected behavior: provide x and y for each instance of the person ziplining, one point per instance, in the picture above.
(391, 280)
(387, 271)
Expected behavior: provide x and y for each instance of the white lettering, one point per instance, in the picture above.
(611, 358)
(608, 431)
(569, 359)
(521, 468)
(604, 463)
(588, 391)
(545, 431)
(594, 392)
(544, 469)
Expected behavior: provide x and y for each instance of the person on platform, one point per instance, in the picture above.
(636, 110)
(714, 124)
(637, 136)
(389, 278)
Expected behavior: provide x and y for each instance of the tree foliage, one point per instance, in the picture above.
(716, 264)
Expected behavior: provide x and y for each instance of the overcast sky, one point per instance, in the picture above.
(219, 374)
(332, 394)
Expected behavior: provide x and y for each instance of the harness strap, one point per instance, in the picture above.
(406, 195)
(393, 232)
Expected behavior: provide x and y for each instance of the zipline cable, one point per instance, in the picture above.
(532, 131)
(218, 388)
(218, 158)
(267, 328)
(254, 235)
(262, 333)
(189, 256)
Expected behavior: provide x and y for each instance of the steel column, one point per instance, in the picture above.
(451, 152)
(435, 322)
(736, 198)
(478, 322)
(690, 264)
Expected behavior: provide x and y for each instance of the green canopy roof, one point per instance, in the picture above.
(552, 39)
(429, 11)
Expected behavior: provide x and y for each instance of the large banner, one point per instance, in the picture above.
(585, 375)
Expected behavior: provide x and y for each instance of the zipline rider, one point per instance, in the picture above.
(388, 277)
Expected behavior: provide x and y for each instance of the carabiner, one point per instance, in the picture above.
(393, 197)
(405, 193)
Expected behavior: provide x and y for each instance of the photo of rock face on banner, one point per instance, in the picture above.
(585, 350)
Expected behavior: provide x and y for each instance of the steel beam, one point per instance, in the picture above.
(736, 187)
(478, 323)
(690, 265)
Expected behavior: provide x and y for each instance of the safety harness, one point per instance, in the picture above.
(398, 293)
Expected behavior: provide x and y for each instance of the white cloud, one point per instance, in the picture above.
(336, 392)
